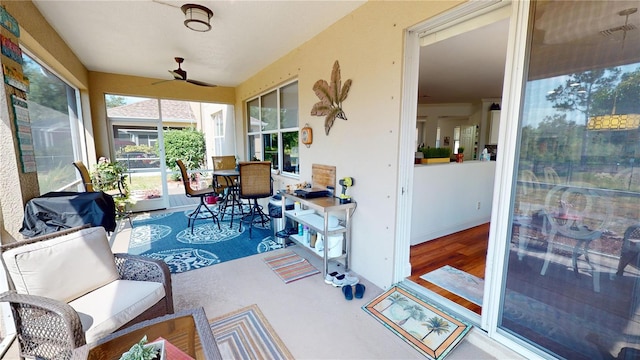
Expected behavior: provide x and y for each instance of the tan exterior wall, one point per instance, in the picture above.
(369, 44)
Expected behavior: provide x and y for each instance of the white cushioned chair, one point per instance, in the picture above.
(70, 289)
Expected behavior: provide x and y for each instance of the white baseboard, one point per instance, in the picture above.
(420, 238)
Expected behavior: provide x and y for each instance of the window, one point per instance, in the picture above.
(272, 120)
(54, 110)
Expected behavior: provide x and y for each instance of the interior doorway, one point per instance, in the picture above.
(460, 246)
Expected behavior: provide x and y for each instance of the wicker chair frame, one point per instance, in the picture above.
(225, 162)
(201, 194)
(51, 329)
(117, 193)
(630, 248)
(255, 183)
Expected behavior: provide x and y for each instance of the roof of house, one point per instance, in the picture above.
(148, 109)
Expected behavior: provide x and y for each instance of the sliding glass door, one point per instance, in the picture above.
(138, 127)
(137, 147)
(571, 275)
(137, 140)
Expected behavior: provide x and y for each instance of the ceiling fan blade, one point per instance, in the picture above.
(161, 81)
(178, 74)
(200, 83)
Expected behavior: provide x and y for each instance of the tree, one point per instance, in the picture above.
(436, 325)
(577, 95)
(619, 99)
(114, 101)
(395, 299)
(44, 87)
(415, 312)
(187, 145)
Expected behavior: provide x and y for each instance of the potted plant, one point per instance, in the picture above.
(460, 154)
(436, 155)
(143, 351)
(111, 177)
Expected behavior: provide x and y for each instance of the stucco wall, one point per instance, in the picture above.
(369, 45)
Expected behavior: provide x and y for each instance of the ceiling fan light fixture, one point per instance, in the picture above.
(197, 17)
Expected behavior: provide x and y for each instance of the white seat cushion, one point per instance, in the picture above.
(106, 309)
(63, 268)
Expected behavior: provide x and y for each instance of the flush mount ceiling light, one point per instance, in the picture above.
(197, 17)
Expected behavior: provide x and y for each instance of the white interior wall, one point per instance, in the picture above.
(446, 197)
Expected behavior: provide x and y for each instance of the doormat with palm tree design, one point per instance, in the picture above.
(427, 328)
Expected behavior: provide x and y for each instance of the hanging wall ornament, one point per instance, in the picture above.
(306, 135)
(331, 98)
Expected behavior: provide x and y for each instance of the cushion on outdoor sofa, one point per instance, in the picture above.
(106, 309)
(75, 264)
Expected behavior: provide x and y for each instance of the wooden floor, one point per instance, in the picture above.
(465, 250)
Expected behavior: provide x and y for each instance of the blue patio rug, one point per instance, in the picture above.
(427, 328)
(166, 237)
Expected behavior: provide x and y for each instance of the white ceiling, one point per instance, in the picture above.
(464, 68)
(142, 37)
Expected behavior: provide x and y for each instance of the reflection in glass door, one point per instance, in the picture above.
(572, 275)
(137, 146)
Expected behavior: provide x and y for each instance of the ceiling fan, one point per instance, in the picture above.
(180, 74)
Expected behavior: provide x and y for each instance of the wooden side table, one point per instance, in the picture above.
(187, 330)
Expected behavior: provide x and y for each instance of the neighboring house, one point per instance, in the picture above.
(175, 114)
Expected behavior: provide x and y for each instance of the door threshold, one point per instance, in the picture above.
(443, 302)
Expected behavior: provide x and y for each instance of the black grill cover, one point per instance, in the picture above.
(55, 211)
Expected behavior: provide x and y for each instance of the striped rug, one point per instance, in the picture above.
(246, 334)
(290, 266)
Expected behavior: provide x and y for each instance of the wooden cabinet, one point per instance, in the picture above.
(494, 118)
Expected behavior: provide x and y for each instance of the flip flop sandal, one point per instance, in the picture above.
(360, 291)
(348, 292)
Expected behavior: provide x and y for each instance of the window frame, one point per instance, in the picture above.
(77, 125)
(279, 130)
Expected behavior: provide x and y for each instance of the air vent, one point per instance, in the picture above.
(612, 31)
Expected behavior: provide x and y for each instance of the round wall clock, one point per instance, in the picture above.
(306, 135)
